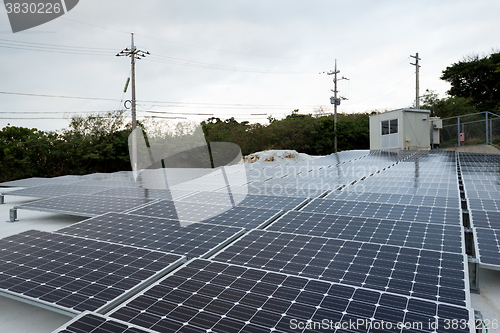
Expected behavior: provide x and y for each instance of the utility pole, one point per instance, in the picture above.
(334, 100)
(417, 102)
(134, 54)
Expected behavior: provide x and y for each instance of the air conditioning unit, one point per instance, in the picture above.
(437, 123)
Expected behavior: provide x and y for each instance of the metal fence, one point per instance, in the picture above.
(482, 128)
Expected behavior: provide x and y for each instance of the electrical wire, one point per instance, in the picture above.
(197, 64)
(173, 104)
(52, 48)
(380, 93)
(57, 96)
(177, 43)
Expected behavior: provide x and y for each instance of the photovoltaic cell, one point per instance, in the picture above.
(153, 233)
(248, 200)
(429, 236)
(437, 215)
(75, 274)
(89, 322)
(425, 274)
(207, 296)
(243, 217)
(85, 205)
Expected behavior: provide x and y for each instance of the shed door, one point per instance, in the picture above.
(390, 136)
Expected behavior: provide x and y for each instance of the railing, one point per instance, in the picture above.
(482, 128)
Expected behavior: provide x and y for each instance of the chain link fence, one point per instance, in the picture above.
(481, 128)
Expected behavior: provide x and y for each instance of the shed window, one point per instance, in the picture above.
(389, 126)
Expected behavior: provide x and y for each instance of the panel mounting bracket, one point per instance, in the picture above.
(12, 215)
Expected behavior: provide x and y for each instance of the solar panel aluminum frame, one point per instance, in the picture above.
(85, 313)
(468, 307)
(106, 307)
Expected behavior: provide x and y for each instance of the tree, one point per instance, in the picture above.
(477, 78)
(450, 106)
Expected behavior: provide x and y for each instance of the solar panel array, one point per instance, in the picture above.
(208, 296)
(481, 178)
(360, 237)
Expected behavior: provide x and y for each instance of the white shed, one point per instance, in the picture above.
(400, 129)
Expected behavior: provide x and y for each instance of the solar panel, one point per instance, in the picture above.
(113, 182)
(126, 192)
(49, 191)
(271, 189)
(488, 243)
(85, 205)
(248, 200)
(418, 235)
(207, 296)
(404, 190)
(243, 217)
(391, 198)
(425, 274)
(153, 233)
(73, 274)
(92, 322)
(37, 181)
(410, 213)
(488, 195)
(485, 219)
(484, 204)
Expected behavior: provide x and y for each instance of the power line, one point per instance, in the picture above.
(10, 41)
(174, 104)
(178, 43)
(57, 96)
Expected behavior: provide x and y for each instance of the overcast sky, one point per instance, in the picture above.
(247, 59)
